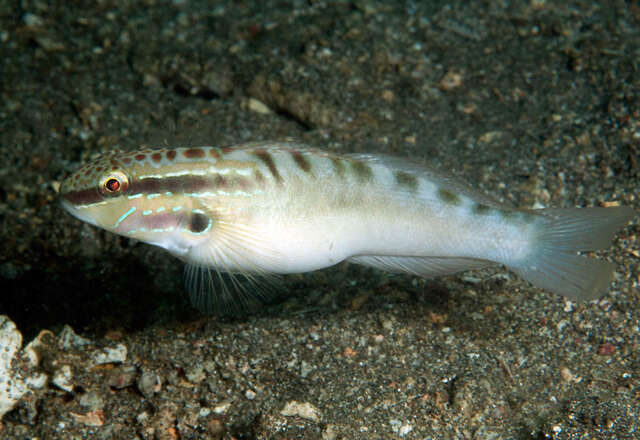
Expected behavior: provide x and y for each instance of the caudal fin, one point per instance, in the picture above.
(554, 264)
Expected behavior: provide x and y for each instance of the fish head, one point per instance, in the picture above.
(163, 197)
(97, 192)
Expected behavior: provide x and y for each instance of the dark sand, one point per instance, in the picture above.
(534, 103)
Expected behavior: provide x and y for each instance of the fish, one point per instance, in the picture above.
(240, 216)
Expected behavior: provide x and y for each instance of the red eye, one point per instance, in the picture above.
(112, 185)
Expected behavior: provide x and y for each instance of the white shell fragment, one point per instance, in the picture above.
(110, 355)
(12, 386)
(16, 378)
(304, 410)
(69, 339)
(19, 367)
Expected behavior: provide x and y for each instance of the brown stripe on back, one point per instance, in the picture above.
(233, 182)
(220, 181)
(302, 161)
(266, 159)
(83, 197)
(177, 184)
(193, 153)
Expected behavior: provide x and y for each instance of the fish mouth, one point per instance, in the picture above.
(77, 213)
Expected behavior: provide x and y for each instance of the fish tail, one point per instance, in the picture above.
(554, 264)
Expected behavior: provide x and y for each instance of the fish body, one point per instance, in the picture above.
(280, 208)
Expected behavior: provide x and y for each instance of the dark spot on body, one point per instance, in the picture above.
(481, 209)
(338, 166)
(140, 157)
(448, 197)
(213, 152)
(156, 157)
(406, 180)
(198, 222)
(193, 153)
(126, 160)
(171, 154)
(362, 170)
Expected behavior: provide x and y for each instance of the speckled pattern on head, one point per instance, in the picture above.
(82, 185)
(86, 175)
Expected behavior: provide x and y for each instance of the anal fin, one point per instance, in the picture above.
(426, 267)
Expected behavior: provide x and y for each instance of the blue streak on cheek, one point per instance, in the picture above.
(135, 231)
(124, 216)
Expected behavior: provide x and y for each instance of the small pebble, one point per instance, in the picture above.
(149, 384)
(62, 378)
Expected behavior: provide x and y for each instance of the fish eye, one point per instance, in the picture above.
(114, 183)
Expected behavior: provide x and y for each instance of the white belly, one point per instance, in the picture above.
(311, 245)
